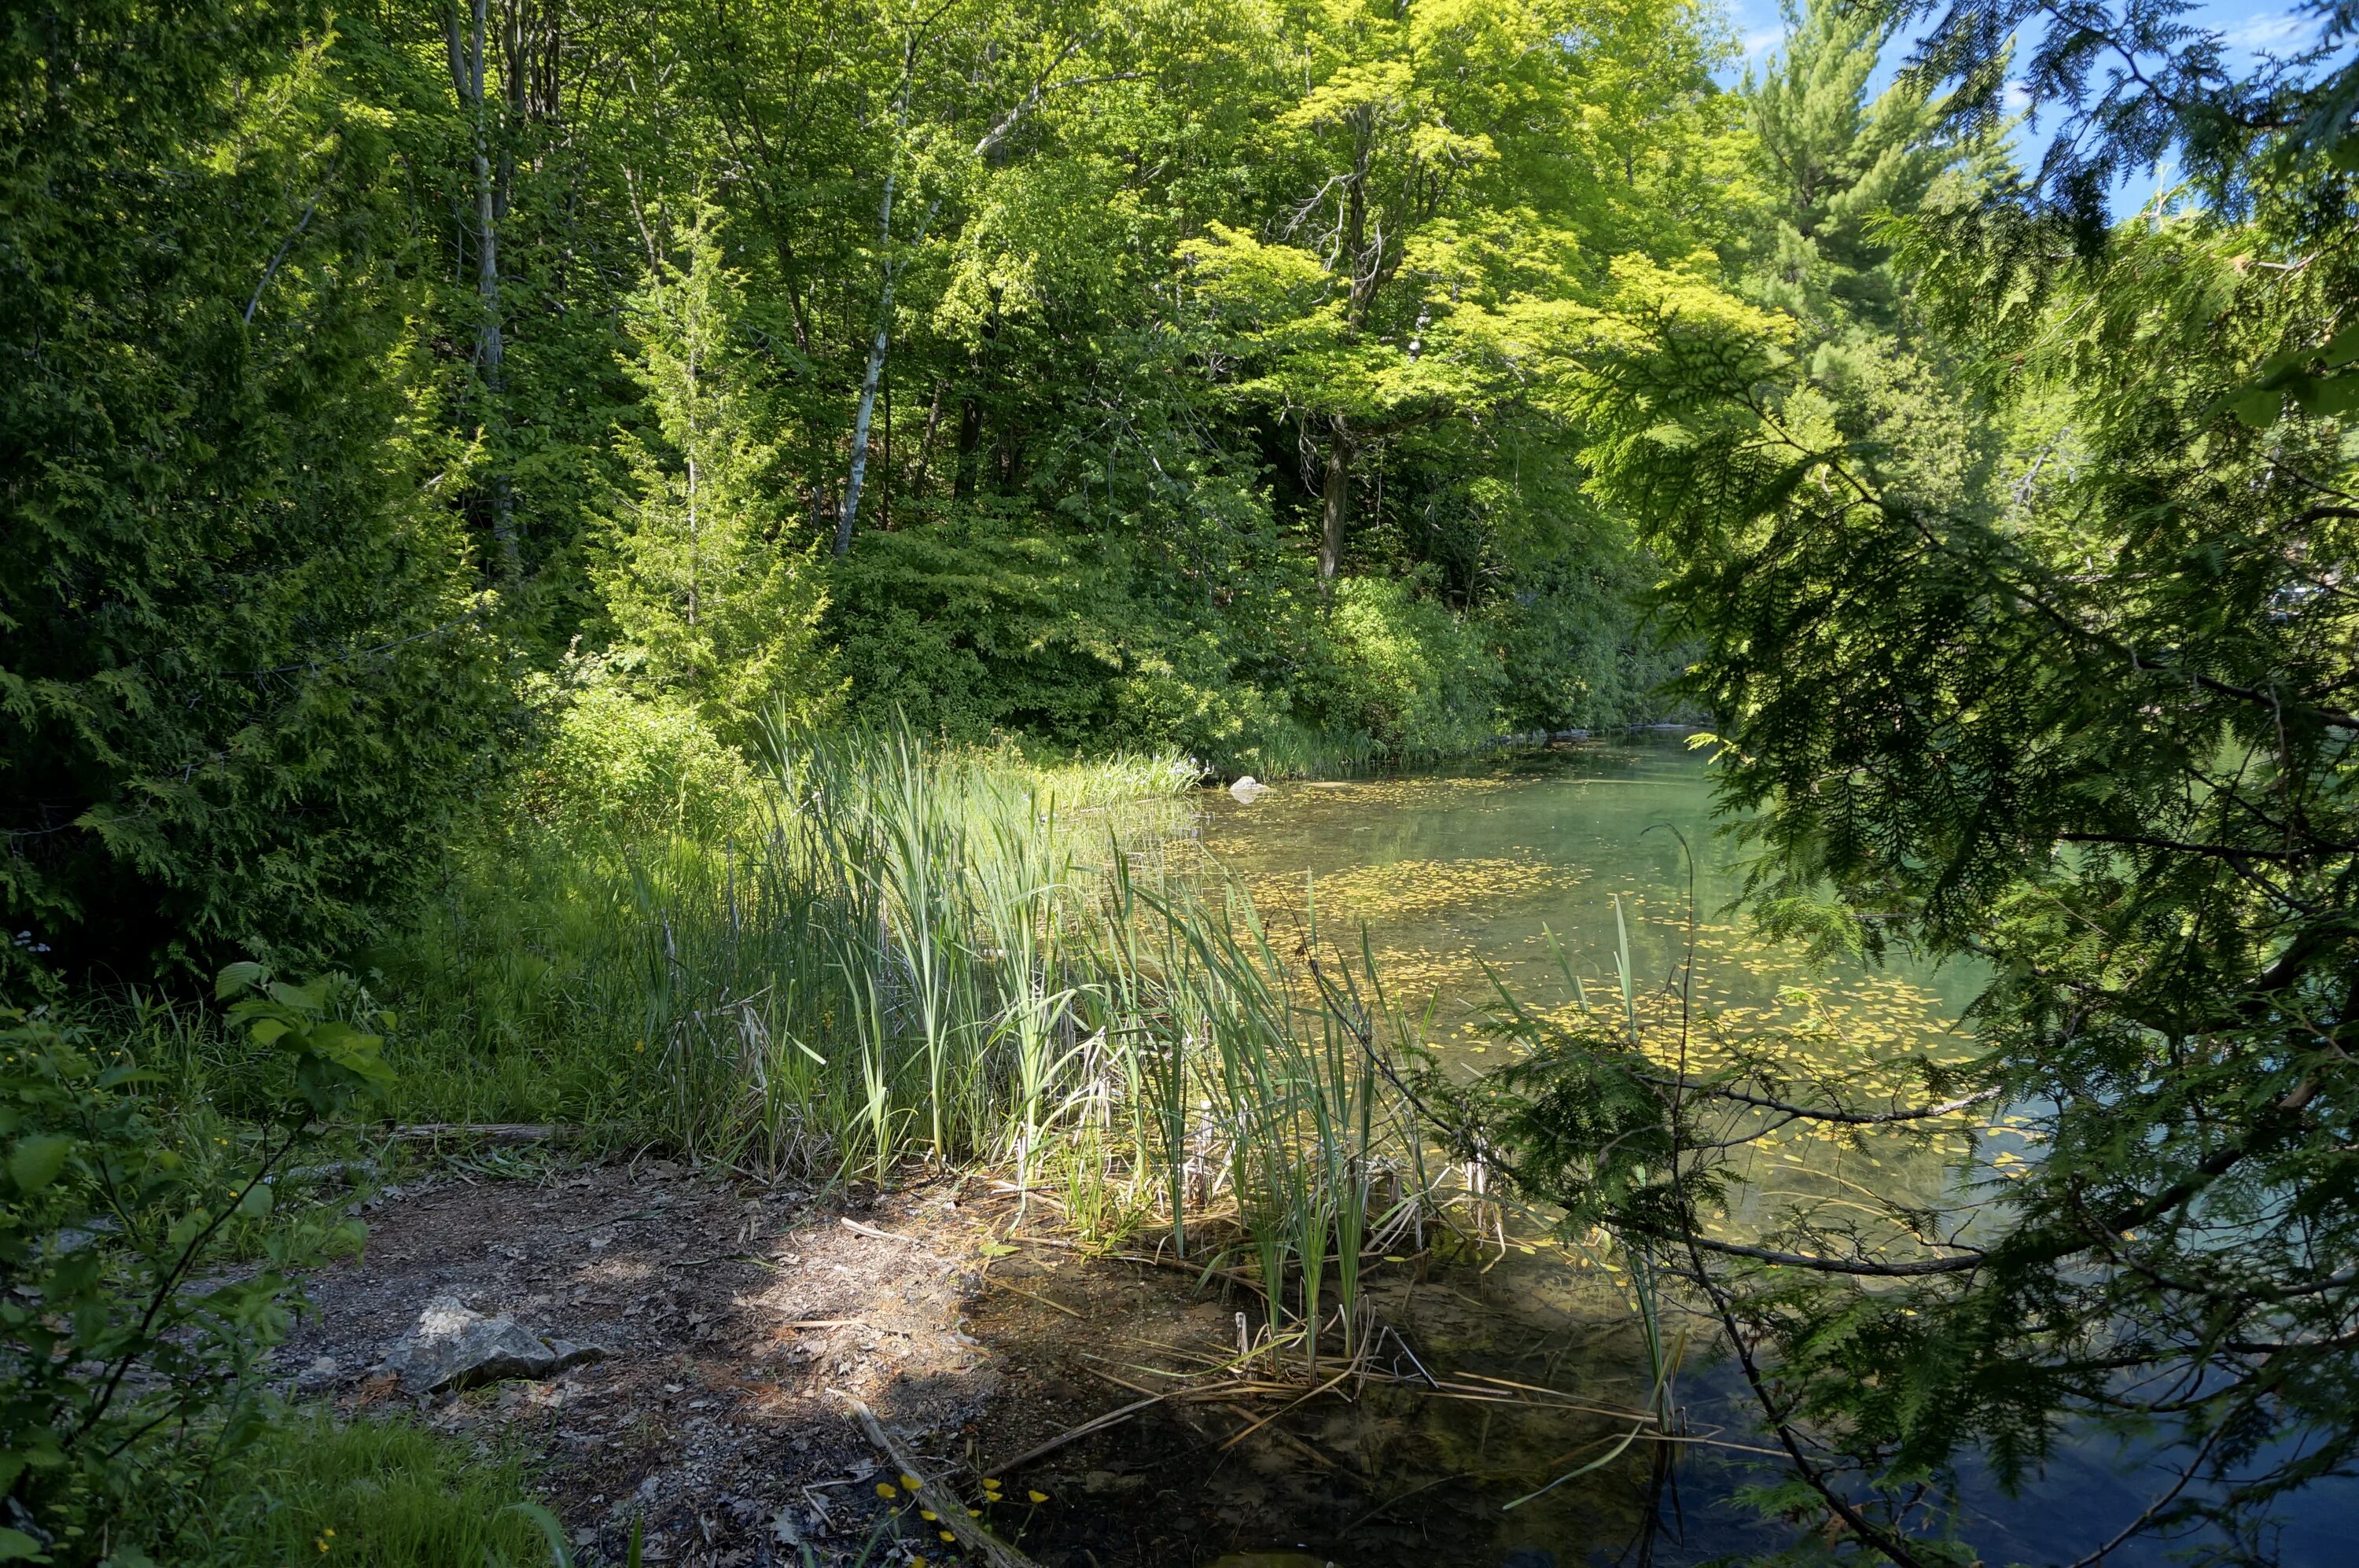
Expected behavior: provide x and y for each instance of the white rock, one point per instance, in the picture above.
(455, 1347)
(1248, 789)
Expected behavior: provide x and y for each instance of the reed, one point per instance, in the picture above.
(924, 953)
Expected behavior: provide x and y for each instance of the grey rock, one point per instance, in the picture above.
(455, 1347)
(1248, 789)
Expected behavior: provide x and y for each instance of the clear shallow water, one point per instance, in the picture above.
(1453, 871)
(1462, 876)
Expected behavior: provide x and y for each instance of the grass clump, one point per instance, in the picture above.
(385, 1494)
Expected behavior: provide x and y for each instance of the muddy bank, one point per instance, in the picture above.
(733, 1320)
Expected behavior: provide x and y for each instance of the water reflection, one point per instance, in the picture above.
(1512, 870)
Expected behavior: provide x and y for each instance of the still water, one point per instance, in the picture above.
(1509, 874)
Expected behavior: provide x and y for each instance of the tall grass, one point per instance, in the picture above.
(907, 952)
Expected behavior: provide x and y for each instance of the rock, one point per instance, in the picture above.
(454, 1347)
(1248, 789)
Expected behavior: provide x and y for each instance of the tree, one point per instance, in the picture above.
(1410, 282)
(2090, 725)
(1832, 162)
(244, 678)
(712, 601)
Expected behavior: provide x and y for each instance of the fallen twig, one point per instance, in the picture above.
(887, 1236)
(1037, 1297)
(484, 1132)
(937, 1499)
(1096, 1423)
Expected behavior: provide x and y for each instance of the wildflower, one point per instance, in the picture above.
(929, 1515)
(1038, 1497)
(909, 1481)
(886, 1489)
(946, 1535)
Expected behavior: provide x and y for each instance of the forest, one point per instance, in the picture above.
(586, 582)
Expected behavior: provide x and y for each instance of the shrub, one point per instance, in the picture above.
(127, 1365)
(1407, 672)
(1569, 656)
(244, 678)
(634, 766)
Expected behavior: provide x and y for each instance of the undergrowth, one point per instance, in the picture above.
(871, 954)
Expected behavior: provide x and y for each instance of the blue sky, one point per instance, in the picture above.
(2250, 26)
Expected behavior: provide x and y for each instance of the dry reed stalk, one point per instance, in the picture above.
(938, 1500)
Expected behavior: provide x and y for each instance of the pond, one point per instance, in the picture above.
(1523, 872)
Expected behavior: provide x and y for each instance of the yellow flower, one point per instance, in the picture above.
(884, 1489)
(927, 1514)
(909, 1481)
(946, 1535)
(1038, 1497)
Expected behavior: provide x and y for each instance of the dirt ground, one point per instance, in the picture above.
(734, 1319)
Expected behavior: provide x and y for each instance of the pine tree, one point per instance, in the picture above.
(2091, 729)
(1835, 163)
(1831, 161)
(713, 603)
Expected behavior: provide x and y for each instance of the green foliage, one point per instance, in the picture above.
(131, 1364)
(244, 682)
(2060, 690)
(977, 629)
(633, 767)
(1406, 673)
(713, 603)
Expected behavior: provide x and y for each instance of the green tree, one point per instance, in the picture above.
(1422, 269)
(711, 601)
(2090, 727)
(244, 683)
(1831, 162)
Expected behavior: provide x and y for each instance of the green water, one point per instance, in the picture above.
(1451, 872)
(1510, 873)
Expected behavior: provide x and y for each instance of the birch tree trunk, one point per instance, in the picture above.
(864, 413)
(491, 346)
(1334, 500)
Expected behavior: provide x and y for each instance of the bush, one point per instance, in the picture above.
(128, 1364)
(1407, 672)
(636, 768)
(244, 679)
(1569, 656)
(968, 630)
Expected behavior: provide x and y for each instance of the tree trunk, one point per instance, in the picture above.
(467, 82)
(866, 411)
(926, 443)
(849, 516)
(1334, 501)
(970, 444)
(490, 201)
